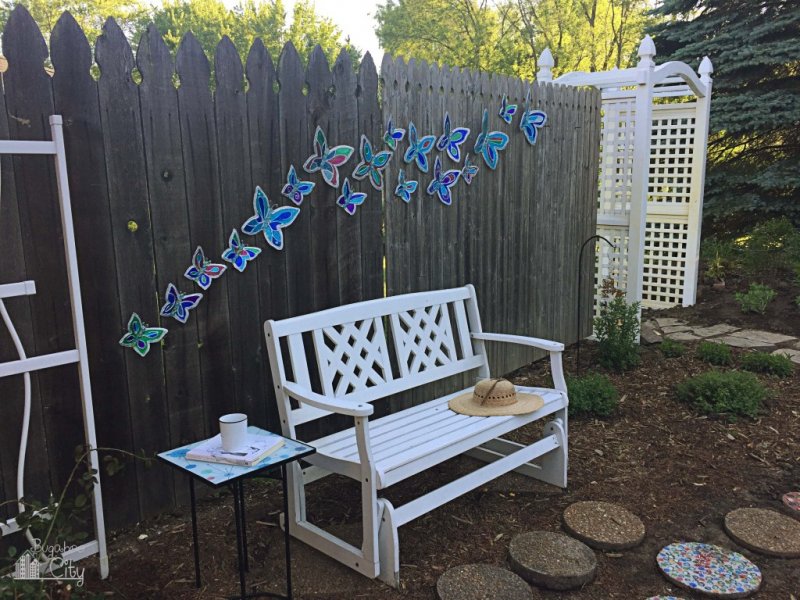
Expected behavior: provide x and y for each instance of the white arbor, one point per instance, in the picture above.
(652, 172)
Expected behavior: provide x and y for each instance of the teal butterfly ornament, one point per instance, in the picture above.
(418, 148)
(350, 200)
(442, 182)
(327, 160)
(239, 254)
(393, 135)
(202, 271)
(372, 164)
(531, 120)
(507, 111)
(451, 139)
(270, 221)
(489, 143)
(140, 335)
(468, 171)
(404, 187)
(295, 189)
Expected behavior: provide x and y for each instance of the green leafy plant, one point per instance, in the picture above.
(729, 393)
(772, 247)
(756, 299)
(763, 362)
(592, 395)
(715, 354)
(617, 329)
(720, 258)
(672, 349)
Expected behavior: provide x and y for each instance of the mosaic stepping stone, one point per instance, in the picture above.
(552, 560)
(664, 598)
(481, 582)
(603, 525)
(792, 501)
(709, 570)
(764, 531)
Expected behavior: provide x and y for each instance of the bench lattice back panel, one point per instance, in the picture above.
(423, 339)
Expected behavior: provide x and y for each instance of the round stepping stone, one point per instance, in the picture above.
(552, 560)
(709, 569)
(664, 598)
(792, 501)
(481, 582)
(603, 525)
(764, 531)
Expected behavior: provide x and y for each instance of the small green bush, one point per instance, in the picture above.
(762, 362)
(672, 349)
(720, 257)
(715, 354)
(592, 395)
(772, 247)
(617, 329)
(731, 393)
(756, 299)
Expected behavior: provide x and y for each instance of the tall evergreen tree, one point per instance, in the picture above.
(754, 151)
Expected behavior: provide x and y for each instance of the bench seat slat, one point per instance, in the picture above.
(406, 439)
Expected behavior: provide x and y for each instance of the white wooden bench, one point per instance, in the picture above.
(433, 335)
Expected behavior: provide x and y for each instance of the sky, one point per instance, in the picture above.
(354, 17)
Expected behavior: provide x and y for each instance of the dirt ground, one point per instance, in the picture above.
(679, 471)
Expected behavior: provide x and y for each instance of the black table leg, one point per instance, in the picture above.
(194, 534)
(244, 525)
(239, 542)
(286, 535)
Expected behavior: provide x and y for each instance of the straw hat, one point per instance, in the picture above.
(495, 397)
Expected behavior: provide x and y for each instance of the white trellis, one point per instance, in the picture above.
(77, 356)
(652, 172)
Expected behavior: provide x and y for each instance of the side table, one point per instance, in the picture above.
(216, 475)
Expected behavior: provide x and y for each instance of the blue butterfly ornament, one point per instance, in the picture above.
(372, 163)
(269, 220)
(178, 304)
(404, 188)
(507, 111)
(295, 189)
(350, 200)
(469, 170)
(451, 139)
(442, 182)
(327, 160)
(203, 272)
(489, 143)
(239, 254)
(140, 336)
(418, 149)
(393, 135)
(531, 120)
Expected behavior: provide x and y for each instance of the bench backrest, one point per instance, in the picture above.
(373, 349)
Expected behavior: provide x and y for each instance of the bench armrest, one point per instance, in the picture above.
(523, 340)
(361, 409)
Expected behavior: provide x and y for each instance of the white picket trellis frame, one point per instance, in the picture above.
(652, 173)
(78, 356)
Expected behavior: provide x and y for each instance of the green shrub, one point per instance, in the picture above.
(672, 349)
(731, 393)
(762, 362)
(617, 329)
(756, 298)
(720, 257)
(715, 354)
(592, 395)
(772, 247)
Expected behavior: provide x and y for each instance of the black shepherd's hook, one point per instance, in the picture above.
(580, 281)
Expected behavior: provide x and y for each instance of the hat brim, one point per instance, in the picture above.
(465, 404)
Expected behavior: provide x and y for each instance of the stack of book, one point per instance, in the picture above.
(258, 447)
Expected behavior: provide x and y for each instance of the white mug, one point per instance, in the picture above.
(233, 429)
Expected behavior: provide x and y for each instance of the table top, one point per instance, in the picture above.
(217, 474)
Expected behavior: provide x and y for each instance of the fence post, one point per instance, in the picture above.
(546, 64)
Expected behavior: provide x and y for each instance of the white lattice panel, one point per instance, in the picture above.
(612, 263)
(616, 157)
(352, 357)
(671, 148)
(423, 339)
(665, 261)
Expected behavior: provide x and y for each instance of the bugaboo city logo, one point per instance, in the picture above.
(47, 563)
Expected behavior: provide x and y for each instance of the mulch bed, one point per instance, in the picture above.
(678, 471)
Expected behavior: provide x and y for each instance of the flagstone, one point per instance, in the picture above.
(713, 330)
(763, 336)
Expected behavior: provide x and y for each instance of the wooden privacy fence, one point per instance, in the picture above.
(159, 167)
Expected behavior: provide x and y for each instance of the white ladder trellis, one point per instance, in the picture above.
(652, 173)
(78, 356)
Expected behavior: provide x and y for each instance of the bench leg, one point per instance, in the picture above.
(388, 545)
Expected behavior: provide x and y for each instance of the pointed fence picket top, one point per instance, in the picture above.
(76, 100)
(163, 159)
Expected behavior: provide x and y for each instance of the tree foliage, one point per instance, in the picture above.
(507, 36)
(754, 152)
